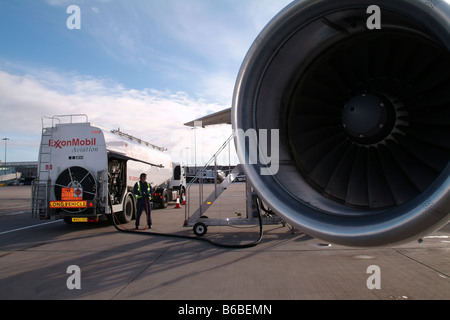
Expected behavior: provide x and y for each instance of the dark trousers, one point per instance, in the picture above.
(144, 205)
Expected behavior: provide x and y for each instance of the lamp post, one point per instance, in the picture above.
(5, 168)
(187, 156)
(5, 139)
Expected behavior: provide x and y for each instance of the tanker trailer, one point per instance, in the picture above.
(83, 169)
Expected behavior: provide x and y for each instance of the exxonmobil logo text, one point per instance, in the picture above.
(72, 143)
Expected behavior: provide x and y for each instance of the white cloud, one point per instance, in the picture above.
(183, 42)
(196, 46)
(152, 115)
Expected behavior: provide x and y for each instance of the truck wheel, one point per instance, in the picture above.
(181, 192)
(200, 229)
(165, 199)
(128, 210)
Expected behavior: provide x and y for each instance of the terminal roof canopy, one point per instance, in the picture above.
(221, 117)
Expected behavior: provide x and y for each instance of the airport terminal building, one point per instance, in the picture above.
(18, 172)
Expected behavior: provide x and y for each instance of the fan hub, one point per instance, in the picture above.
(368, 118)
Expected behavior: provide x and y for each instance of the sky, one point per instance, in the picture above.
(144, 66)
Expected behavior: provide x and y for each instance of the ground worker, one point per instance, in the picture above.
(143, 191)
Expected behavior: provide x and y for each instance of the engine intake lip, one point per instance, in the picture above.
(291, 42)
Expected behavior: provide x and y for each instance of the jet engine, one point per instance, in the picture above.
(359, 93)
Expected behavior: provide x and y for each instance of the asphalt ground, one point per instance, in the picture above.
(36, 258)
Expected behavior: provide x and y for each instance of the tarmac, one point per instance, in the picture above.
(36, 259)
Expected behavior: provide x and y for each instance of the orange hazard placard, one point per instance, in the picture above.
(69, 194)
(66, 193)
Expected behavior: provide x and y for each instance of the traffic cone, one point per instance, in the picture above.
(184, 199)
(178, 206)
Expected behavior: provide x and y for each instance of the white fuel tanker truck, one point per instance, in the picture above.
(83, 169)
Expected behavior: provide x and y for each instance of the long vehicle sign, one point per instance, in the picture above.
(68, 204)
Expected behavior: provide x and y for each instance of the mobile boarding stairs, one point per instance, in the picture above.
(254, 206)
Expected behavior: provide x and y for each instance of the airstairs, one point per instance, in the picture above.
(200, 222)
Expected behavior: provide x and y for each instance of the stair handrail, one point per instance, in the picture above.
(200, 174)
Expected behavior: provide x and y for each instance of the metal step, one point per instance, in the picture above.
(254, 214)
(39, 194)
(41, 186)
(216, 193)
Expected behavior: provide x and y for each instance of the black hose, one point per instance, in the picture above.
(222, 245)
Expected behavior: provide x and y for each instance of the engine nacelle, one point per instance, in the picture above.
(363, 117)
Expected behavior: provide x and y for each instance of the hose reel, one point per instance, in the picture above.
(75, 183)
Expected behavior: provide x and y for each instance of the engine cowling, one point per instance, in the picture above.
(363, 116)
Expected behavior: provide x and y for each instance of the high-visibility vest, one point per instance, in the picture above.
(149, 191)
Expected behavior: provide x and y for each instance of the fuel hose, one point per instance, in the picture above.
(119, 228)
